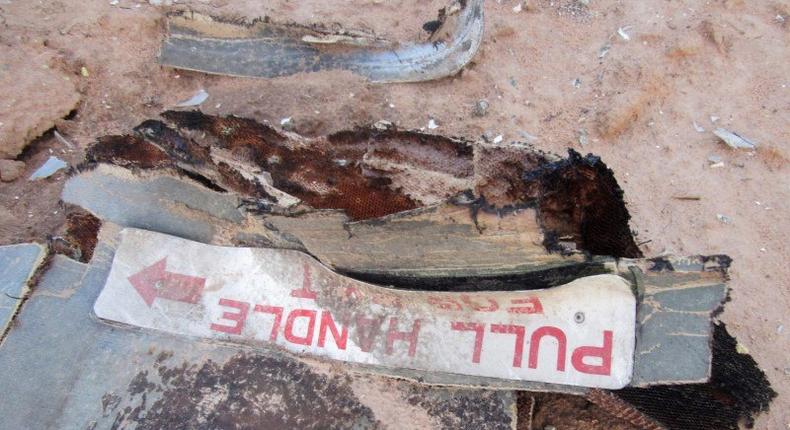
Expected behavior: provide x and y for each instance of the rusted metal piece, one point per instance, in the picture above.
(262, 49)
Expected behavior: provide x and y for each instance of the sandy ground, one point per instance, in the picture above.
(720, 63)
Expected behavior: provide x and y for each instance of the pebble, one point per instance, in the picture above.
(622, 32)
(287, 123)
(432, 124)
(11, 169)
(383, 124)
(583, 139)
(724, 218)
(527, 136)
(481, 108)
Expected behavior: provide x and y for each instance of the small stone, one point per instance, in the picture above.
(549, 428)
(724, 218)
(517, 8)
(527, 136)
(481, 108)
(488, 136)
(622, 32)
(11, 169)
(741, 349)
(603, 51)
(498, 138)
(287, 123)
(383, 124)
(84, 72)
(583, 139)
(432, 124)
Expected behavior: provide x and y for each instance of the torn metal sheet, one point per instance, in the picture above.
(17, 265)
(678, 298)
(262, 49)
(179, 206)
(161, 202)
(98, 376)
(502, 219)
(285, 298)
(440, 241)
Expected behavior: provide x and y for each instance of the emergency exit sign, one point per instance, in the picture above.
(581, 333)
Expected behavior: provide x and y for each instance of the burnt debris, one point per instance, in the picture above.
(370, 173)
(382, 176)
(737, 390)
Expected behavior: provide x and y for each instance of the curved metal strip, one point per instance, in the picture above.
(262, 50)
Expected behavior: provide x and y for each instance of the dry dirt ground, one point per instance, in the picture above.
(555, 74)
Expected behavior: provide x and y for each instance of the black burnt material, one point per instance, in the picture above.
(737, 390)
(534, 280)
(579, 199)
(294, 169)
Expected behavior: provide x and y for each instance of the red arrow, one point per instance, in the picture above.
(153, 281)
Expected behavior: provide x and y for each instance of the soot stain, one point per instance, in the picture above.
(247, 391)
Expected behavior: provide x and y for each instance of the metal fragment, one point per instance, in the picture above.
(17, 264)
(286, 300)
(103, 376)
(261, 49)
(733, 140)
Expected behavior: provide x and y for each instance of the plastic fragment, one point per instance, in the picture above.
(195, 100)
(52, 165)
